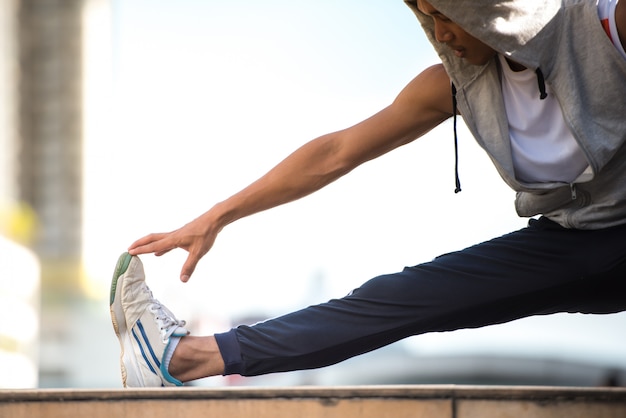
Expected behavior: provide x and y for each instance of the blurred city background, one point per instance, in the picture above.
(123, 117)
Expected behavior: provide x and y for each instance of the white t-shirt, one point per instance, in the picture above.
(542, 145)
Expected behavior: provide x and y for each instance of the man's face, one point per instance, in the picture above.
(462, 43)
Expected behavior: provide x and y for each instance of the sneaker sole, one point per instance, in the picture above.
(122, 265)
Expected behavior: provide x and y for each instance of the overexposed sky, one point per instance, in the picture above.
(189, 101)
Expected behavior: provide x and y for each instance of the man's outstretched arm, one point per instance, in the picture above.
(421, 105)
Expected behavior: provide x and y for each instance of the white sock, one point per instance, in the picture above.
(169, 353)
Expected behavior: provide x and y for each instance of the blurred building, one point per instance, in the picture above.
(48, 130)
(41, 201)
(19, 267)
(41, 151)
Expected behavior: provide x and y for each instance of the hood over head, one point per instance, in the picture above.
(513, 28)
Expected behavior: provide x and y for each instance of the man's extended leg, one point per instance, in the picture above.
(540, 269)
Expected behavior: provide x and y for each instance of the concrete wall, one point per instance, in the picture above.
(339, 402)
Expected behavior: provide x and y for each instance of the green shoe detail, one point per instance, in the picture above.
(122, 264)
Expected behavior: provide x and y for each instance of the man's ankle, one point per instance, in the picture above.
(195, 358)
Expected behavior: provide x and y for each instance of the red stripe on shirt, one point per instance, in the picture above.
(607, 28)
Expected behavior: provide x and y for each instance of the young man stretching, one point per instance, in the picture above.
(542, 87)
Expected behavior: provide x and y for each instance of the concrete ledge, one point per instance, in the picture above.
(446, 401)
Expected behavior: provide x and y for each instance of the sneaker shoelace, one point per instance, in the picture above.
(165, 319)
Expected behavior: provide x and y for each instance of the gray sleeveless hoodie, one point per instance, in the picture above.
(566, 42)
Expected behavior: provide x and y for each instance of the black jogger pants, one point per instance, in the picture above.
(541, 269)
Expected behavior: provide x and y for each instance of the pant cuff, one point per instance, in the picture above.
(231, 353)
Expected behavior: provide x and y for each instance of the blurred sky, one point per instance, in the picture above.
(192, 100)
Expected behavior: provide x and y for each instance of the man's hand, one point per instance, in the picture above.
(197, 238)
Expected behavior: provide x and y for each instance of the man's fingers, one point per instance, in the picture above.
(188, 268)
(186, 238)
(153, 243)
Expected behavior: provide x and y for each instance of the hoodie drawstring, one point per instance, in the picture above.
(542, 95)
(456, 142)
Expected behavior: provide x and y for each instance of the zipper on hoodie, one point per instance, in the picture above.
(572, 187)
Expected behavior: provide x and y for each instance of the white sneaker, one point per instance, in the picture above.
(142, 325)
